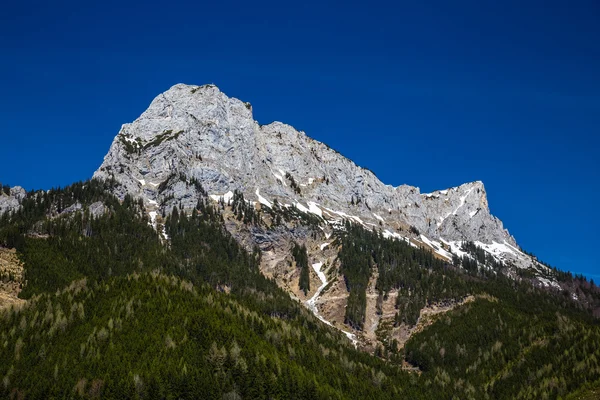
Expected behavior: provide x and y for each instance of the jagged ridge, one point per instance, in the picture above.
(200, 132)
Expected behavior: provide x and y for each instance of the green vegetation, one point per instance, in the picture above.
(244, 210)
(131, 146)
(301, 257)
(136, 146)
(4, 189)
(290, 214)
(293, 183)
(480, 259)
(114, 312)
(518, 344)
(416, 274)
(163, 137)
(157, 336)
(513, 341)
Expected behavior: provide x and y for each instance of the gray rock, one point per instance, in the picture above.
(12, 202)
(72, 208)
(201, 133)
(97, 209)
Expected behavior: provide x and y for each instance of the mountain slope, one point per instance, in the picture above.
(201, 132)
(116, 310)
(196, 135)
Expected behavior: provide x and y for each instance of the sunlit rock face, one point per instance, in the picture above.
(10, 202)
(200, 133)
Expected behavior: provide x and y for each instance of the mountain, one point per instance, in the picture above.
(197, 133)
(200, 133)
(214, 257)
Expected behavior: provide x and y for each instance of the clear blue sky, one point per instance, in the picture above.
(429, 95)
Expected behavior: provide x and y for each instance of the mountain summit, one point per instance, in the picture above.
(201, 133)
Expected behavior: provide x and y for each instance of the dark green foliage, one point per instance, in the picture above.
(142, 319)
(41, 204)
(414, 230)
(115, 312)
(419, 277)
(356, 262)
(130, 147)
(291, 214)
(152, 335)
(165, 136)
(243, 210)
(301, 257)
(293, 183)
(481, 258)
(516, 344)
(5, 189)
(82, 246)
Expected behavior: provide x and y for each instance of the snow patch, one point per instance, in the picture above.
(164, 233)
(378, 217)
(346, 216)
(301, 207)
(455, 247)
(262, 200)
(549, 283)
(279, 177)
(312, 207)
(129, 139)
(311, 303)
(324, 245)
(496, 249)
(387, 234)
(462, 203)
(152, 215)
(226, 197)
(437, 247)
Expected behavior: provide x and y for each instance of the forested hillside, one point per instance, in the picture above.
(118, 310)
(116, 313)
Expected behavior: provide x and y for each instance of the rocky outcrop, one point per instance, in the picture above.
(11, 202)
(199, 133)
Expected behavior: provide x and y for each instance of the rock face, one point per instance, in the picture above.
(200, 133)
(12, 201)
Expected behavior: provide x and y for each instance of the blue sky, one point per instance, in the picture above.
(432, 94)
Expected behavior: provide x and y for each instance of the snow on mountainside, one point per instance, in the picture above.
(200, 133)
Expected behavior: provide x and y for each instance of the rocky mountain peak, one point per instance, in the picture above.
(202, 134)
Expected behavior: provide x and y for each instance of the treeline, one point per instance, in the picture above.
(4, 189)
(191, 318)
(301, 257)
(39, 205)
(116, 312)
(481, 261)
(419, 277)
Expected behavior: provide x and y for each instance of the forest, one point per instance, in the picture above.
(114, 311)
